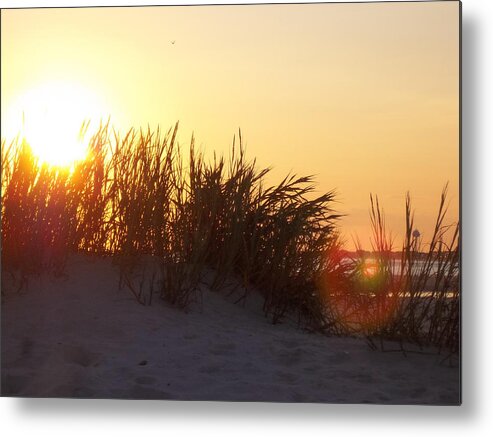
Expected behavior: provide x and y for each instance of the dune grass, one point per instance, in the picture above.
(409, 295)
(142, 197)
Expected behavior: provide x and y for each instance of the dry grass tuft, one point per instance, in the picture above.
(141, 199)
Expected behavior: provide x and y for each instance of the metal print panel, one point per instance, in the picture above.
(232, 203)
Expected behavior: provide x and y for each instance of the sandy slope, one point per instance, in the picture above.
(82, 337)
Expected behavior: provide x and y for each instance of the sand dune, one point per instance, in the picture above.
(79, 336)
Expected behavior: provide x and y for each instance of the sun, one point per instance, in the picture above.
(50, 116)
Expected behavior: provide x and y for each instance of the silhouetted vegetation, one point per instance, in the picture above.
(415, 298)
(141, 197)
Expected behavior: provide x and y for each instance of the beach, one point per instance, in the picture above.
(81, 336)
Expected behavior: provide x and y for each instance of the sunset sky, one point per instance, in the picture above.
(364, 96)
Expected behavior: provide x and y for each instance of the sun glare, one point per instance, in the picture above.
(369, 269)
(49, 117)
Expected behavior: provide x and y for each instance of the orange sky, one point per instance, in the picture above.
(365, 96)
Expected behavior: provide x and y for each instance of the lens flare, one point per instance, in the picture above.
(369, 269)
(359, 293)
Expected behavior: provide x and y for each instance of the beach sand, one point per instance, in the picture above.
(80, 336)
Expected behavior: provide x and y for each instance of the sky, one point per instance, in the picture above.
(363, 96)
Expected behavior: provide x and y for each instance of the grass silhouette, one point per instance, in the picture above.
(140, 195)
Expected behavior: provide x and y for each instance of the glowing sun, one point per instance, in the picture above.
(50, 117)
